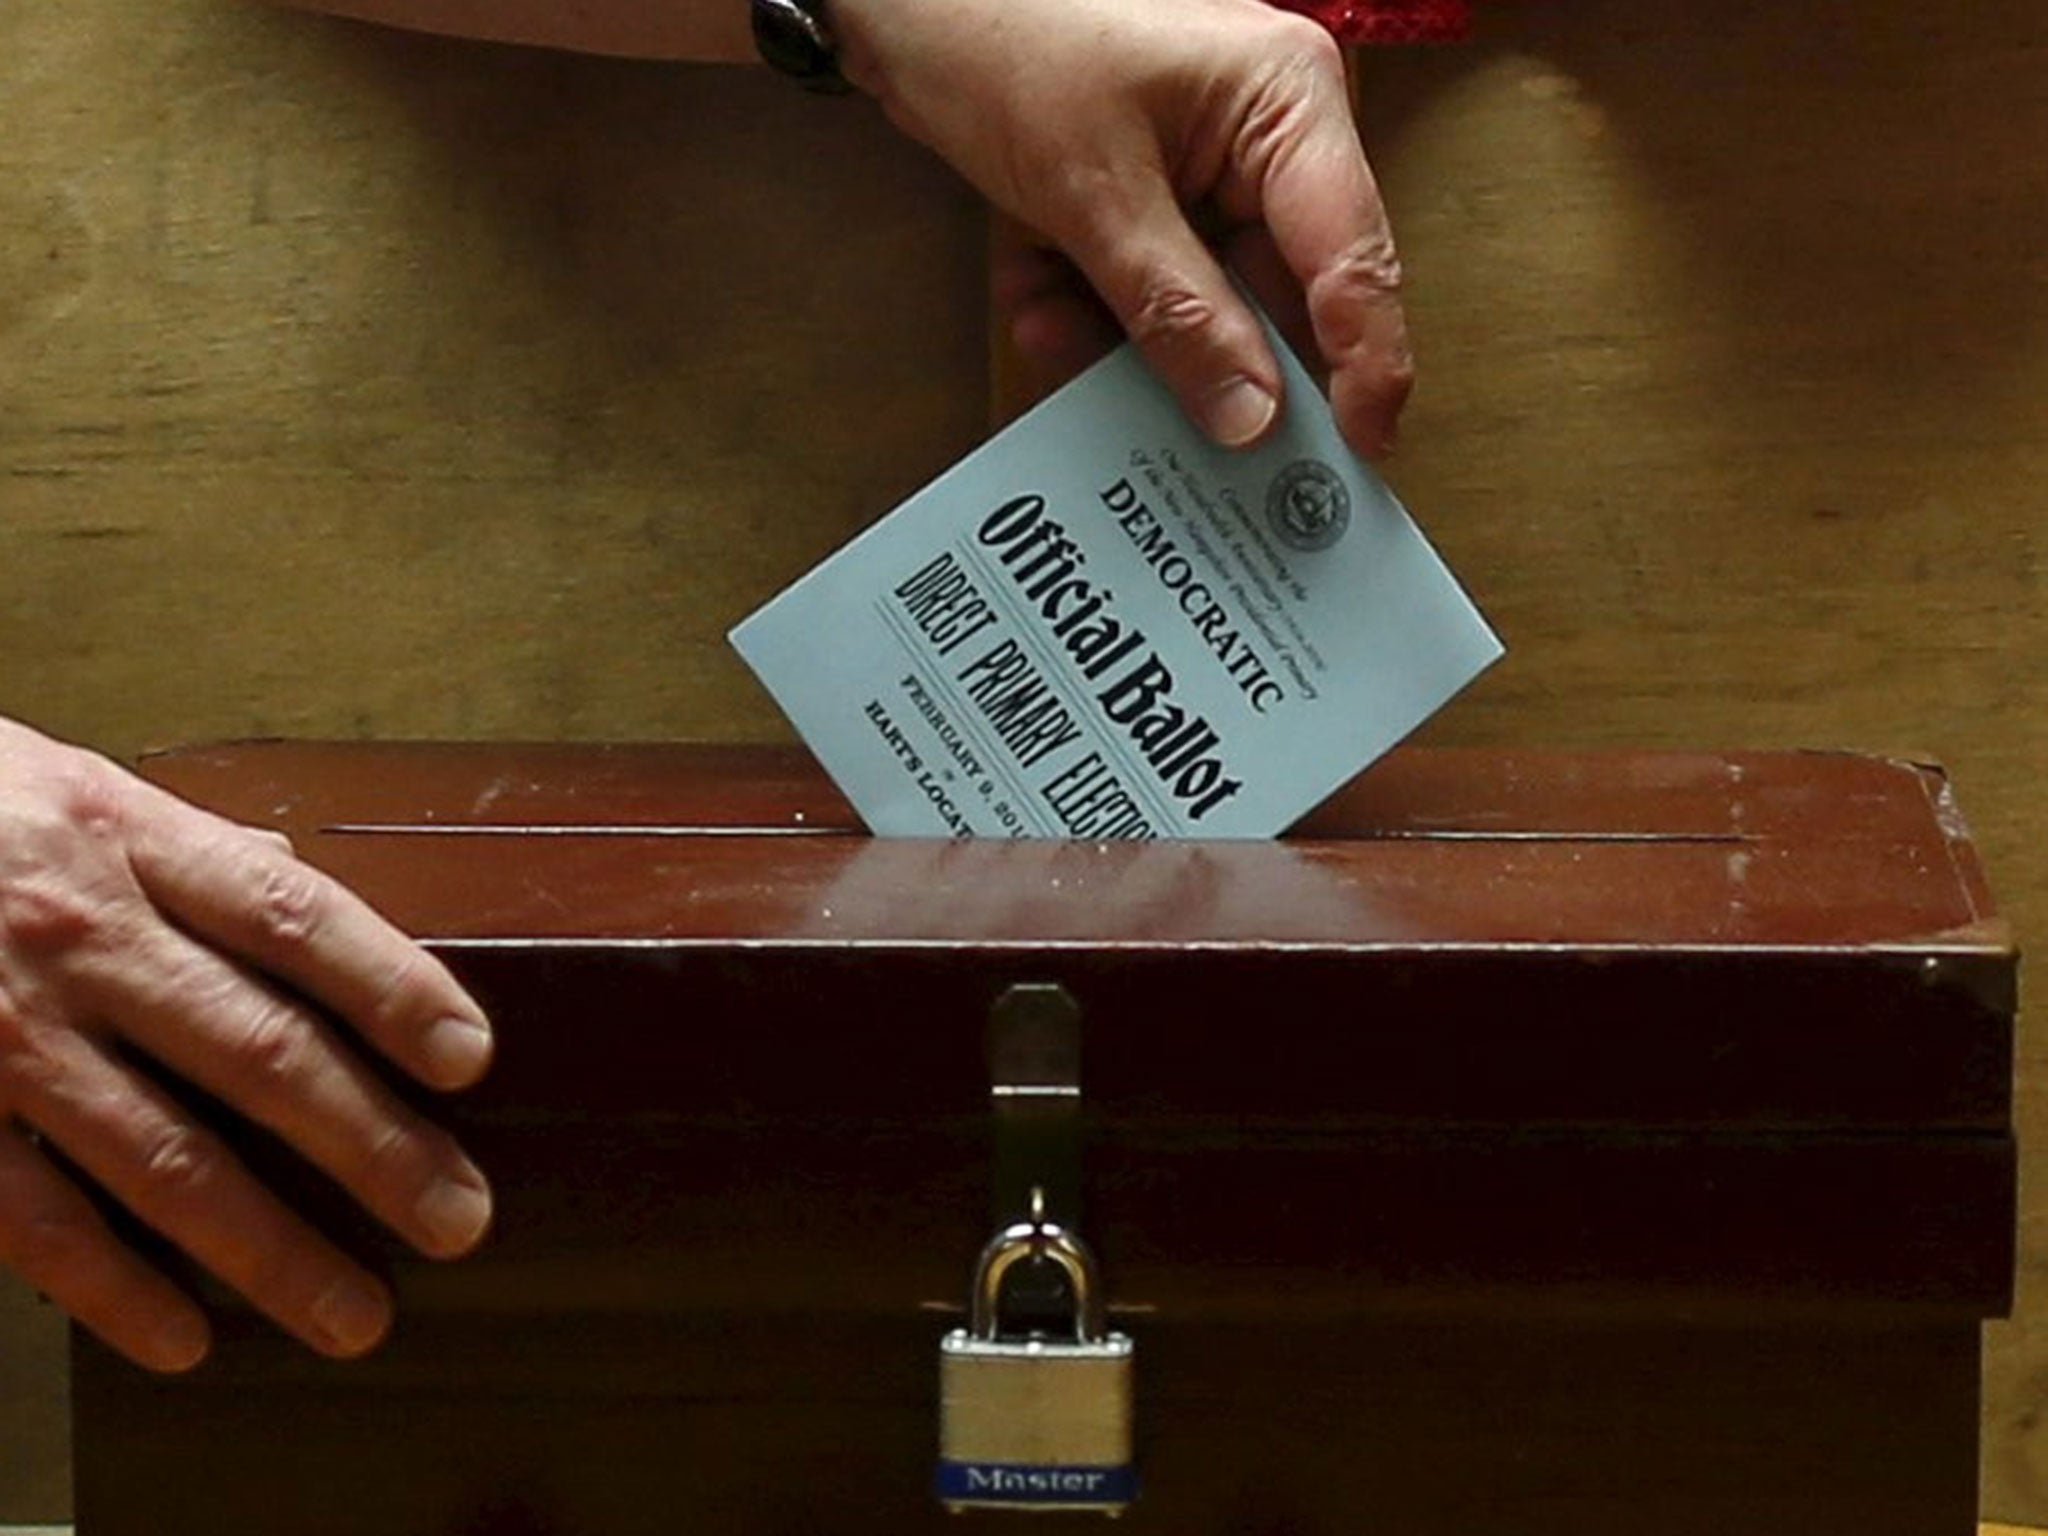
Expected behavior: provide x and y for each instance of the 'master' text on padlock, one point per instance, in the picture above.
(1013, 1480)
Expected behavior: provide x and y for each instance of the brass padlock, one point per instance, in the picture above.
(1030, 1420)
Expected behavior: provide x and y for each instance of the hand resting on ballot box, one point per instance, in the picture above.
(134, 926)
(1150, 147)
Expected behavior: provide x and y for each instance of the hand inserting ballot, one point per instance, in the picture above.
(132, 926)
(1115, 128)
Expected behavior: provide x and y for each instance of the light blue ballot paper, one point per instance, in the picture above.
(1101, 626)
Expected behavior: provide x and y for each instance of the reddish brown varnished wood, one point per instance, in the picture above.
(1821, 796)
(1546, 1141)
(1772, 939)
(1431, 847)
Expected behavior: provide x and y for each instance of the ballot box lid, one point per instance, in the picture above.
(1614, 1024)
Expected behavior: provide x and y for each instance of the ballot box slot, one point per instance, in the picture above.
(1388, 835)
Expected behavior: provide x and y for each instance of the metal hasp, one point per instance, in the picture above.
(1034, 1069)
(1035, 1393)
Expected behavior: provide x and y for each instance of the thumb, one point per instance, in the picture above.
(1173, 299)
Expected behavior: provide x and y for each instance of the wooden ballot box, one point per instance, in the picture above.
(1542, 1143)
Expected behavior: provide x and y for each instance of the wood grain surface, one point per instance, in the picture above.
(355, 384)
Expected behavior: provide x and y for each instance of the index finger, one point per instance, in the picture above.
(237, 889)
(1317, 196)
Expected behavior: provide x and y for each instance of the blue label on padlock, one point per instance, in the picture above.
(995, 1482)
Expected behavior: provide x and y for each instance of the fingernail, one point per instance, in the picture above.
(454, 1212)
(457, 1050)
(180, 1343)
(351, 1316)
(1239, 412)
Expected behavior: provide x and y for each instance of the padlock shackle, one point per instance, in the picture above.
(1029, 1239)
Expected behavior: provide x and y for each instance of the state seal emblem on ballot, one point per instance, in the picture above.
(1308, 505)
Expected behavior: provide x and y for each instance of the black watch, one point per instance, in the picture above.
(794, 37)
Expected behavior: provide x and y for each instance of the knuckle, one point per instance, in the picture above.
(272, 1045)
(1370, 268)
(1398, 377)
(1317, 53)
(403, 990)
(388, 1150)
(1297, 75)
(1169, 313)
(178, 1166)
(59, 884)
(86, 795)
(44, 915)
(1301, 38)
(1389, 373)
(274, 840)
(290, 905)
(392, 1159)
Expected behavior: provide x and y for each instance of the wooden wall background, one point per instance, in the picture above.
(356, 383)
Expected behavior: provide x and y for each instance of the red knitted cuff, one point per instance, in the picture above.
(1388, 21)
